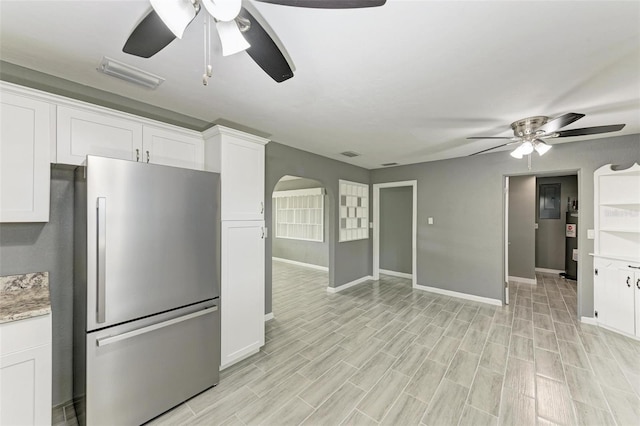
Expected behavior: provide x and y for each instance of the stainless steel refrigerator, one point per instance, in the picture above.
(146, 272)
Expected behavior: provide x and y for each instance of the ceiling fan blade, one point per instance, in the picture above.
(560, 122)
(491, 137)
(328, 4)
(264, 51)
(495, 147)
(590, 130)
(149, 37)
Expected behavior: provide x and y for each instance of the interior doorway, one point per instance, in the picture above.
(540, 238)
(300, 237)
(408, 262)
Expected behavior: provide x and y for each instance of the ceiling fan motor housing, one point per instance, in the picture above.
(527, 126)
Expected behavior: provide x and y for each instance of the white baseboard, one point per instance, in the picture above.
(531, 281)
(589, 320)
(241, 357)
(622, 333)
(459, 295)
(306, 265)
(550, 271)
(396, 274)
(268, 316)
(349, 284)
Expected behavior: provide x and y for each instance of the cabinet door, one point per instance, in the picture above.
(637, 291)
(242, 290)
(617, 304)
(162, 146)
(25, 140)
(242, 176)
(25, 380)
(87, 132)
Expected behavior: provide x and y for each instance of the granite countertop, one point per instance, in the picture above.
(24, 296)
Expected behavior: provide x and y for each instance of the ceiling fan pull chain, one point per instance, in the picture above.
(208, 69)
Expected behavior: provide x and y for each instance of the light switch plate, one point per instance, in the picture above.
(535, 226)
(591, 234)
(430, 221)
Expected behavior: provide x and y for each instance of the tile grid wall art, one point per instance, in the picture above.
(299, 214)
(354, 211)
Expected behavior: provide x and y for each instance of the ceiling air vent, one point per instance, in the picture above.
(389, 164)
(349, 154)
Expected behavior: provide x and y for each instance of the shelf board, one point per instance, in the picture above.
(621, 230)
(622, 205)
(616, 257)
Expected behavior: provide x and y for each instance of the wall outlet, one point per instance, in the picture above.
(430, 221)
(535, 226)
(591, 234)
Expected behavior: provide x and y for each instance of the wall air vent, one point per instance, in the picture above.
(349, 154)
(389, 164)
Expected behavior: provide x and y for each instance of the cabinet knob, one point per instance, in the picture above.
(137, 154)
(261, 207)
(638, 283)
(628, 281)
(147, 156)
(262, 236)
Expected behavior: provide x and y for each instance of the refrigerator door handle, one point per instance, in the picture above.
(113, 339)
(102, 256)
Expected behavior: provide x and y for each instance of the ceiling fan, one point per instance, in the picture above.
(532, 133)
(238, 29)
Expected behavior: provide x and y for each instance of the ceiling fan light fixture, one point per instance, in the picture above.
(517, 153)
(175, 14)
(526, 148)
(223, 10)
(231, 38)
(541, 147)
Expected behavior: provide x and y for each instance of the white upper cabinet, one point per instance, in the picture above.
(83, 132)
(25, 141)
(239, 158)
(104, 133)
(172, 148)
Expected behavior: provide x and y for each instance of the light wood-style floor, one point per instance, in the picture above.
(383, 353)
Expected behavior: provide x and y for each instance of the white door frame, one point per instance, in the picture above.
(376, 226)
(506, 240)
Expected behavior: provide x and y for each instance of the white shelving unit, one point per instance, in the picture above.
(617, 249)
(300, 214)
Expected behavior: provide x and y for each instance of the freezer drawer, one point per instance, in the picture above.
(141, 369)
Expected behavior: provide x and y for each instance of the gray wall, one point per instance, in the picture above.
(396, 213)
(463, 249)
(348, 261)
(35, 247)
(522, 238)
(313, 252)
(550, 240)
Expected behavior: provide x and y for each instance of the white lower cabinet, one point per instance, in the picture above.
(637, 291)
(25, 372)
(615, 294)
(242, 290)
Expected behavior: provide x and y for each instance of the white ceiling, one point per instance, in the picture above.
(407, 82)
